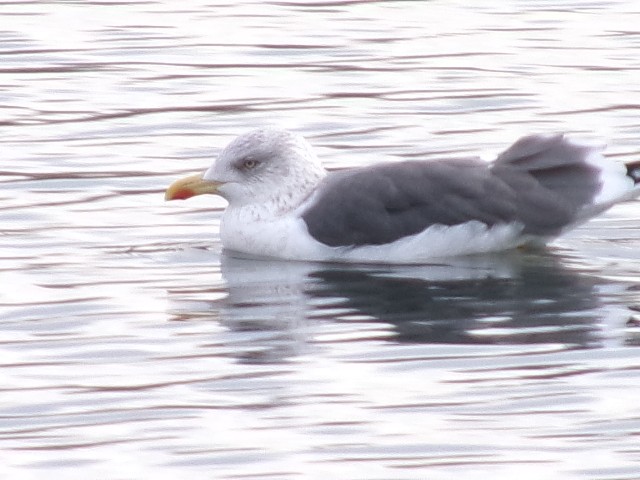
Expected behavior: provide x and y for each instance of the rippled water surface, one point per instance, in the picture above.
(131, 347)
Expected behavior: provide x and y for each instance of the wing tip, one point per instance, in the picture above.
(633, 171)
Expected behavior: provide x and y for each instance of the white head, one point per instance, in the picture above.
(260, 167)
(263, 164)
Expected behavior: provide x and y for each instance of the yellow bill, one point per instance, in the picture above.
(190, 187)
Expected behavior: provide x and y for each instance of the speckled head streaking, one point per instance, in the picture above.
(266, 166)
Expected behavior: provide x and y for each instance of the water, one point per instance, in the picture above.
(130, 347)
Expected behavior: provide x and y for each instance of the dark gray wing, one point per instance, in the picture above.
(557, 164)
(380, 204)
(383, 203)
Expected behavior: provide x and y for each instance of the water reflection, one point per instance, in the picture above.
(273, 308)
(524, 300)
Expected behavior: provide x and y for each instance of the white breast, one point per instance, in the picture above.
(245, 230)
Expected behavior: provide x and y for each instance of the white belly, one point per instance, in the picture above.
(287, 237)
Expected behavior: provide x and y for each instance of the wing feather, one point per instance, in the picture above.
(540, 182)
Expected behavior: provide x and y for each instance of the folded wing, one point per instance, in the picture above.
(543, 183)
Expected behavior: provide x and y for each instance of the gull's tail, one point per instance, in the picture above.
(577, 177)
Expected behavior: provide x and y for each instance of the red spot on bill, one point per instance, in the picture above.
(182, 194)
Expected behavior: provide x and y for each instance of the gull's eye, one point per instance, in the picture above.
(248, 164)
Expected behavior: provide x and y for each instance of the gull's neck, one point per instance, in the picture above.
(282, 200)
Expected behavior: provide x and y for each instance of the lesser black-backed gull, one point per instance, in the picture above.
(284, 204)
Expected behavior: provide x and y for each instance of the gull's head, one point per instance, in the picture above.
(257, 167)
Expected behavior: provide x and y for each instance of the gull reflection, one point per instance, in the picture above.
(515, 298)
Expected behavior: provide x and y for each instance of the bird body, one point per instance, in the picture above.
(284, 204)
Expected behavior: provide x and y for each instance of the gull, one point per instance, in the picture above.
(282, 203)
